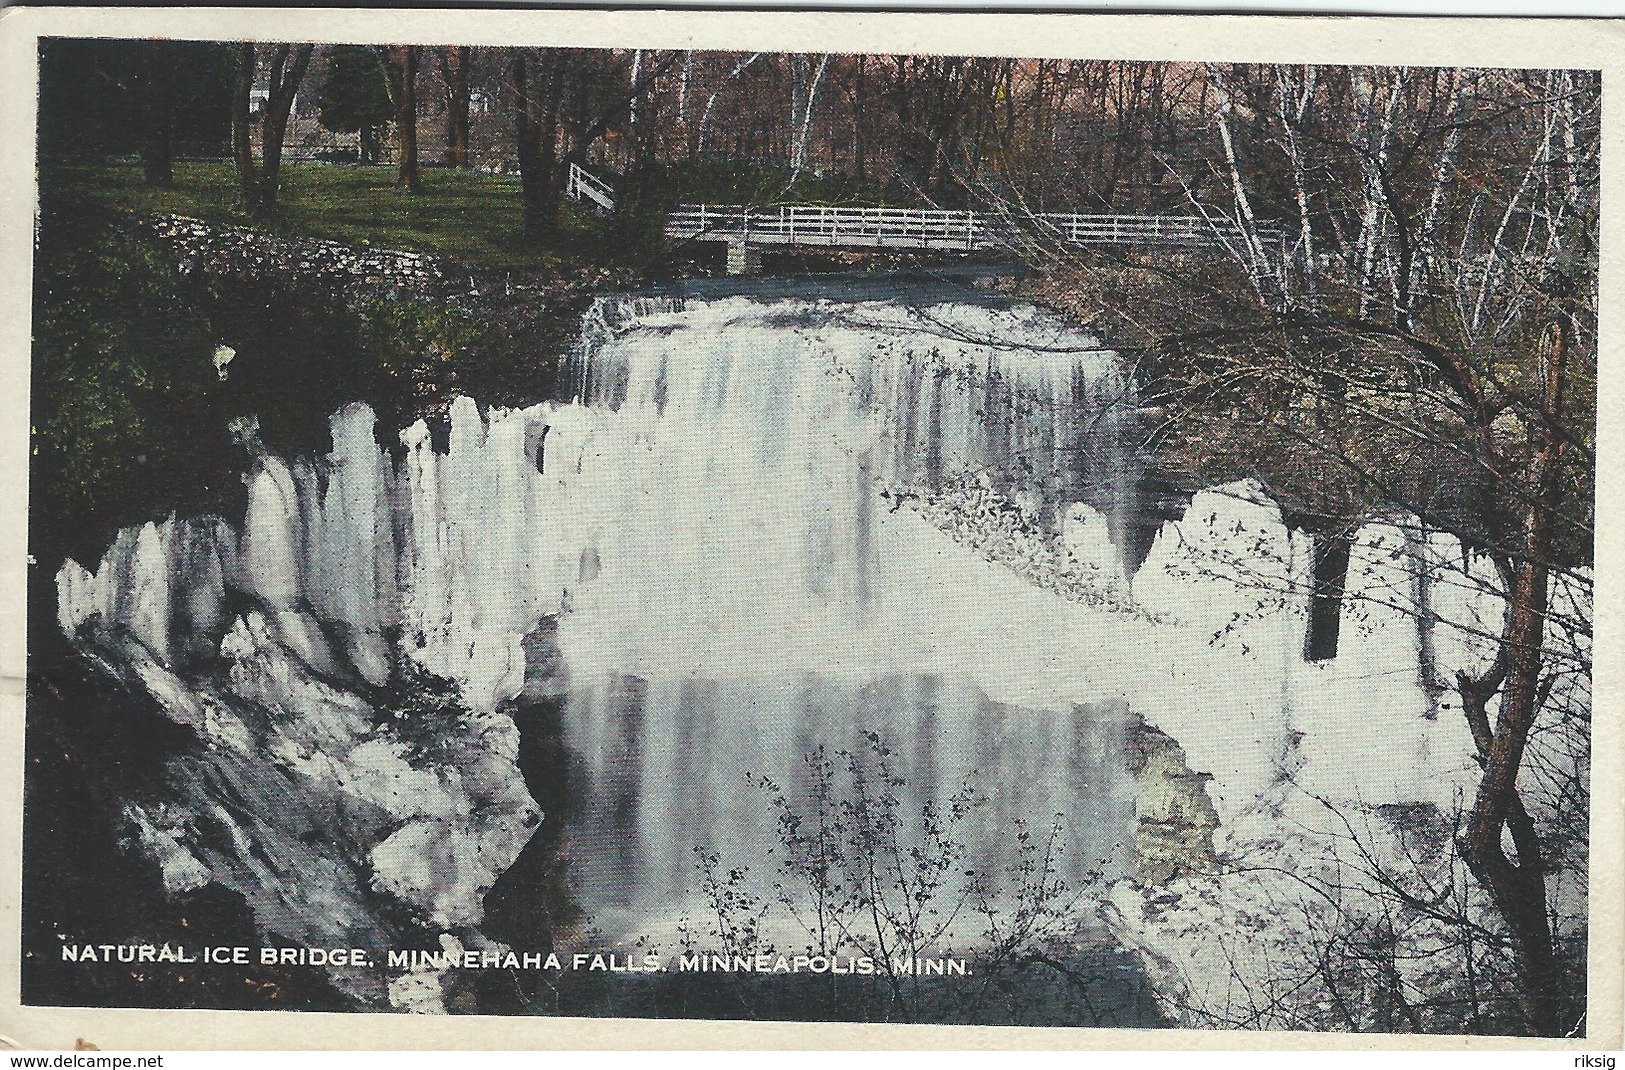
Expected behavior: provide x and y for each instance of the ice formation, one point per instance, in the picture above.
(743, 516)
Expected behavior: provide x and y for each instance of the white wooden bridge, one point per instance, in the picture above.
(746, 230)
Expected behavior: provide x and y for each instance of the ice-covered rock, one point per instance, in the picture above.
(762, 526)
(298, 788)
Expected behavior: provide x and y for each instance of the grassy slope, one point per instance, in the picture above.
(469, 218)
(461, 216)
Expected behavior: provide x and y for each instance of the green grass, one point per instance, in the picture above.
(464, 217)
(459, 216)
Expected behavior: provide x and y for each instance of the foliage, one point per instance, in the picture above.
(118, 349)
(1416, 336)
(408, 337)
(355, 92)
(129, 415)
(860, 875)
(1401, 317)
(91, 97)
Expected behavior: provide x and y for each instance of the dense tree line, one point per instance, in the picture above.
(1072, 134)
(101, 99)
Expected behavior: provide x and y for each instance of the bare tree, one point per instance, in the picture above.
(258, 180)
(403, 63)
(803, 99)
(701, 142)
(1353, 388)
(157, 76)
(454, 69)
(536, 95)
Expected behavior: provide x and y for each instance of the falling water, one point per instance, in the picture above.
(753, 532)
(750, 592)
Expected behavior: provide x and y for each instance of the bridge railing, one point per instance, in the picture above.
(939, 228)
(581, 184)
(1143, 229)
(819, 222)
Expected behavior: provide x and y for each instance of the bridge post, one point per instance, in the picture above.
(742, 258)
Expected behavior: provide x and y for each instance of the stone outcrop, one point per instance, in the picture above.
(211, 249)
(1175, 819)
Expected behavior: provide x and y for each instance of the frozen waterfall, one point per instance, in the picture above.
(757, 526)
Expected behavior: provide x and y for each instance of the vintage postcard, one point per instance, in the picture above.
(1082, 523)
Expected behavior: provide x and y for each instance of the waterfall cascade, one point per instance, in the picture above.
(754, 524)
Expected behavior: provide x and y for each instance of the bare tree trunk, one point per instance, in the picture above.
(1444, 171)
(639, 130)
(285, 79)
(859, 123)
(682, 88)
(1295, 100)
(158, 107)
(524, 122)
(535, 130)
(257, 182)
(1375, 239)
(1493, 265)
(1519, 887)
(455, 61)
(632, 108)
(802, 135)
(242, 146)
(1255, 258)
(798, 87)
(403, 71)
(701, 142)
(552, 174)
